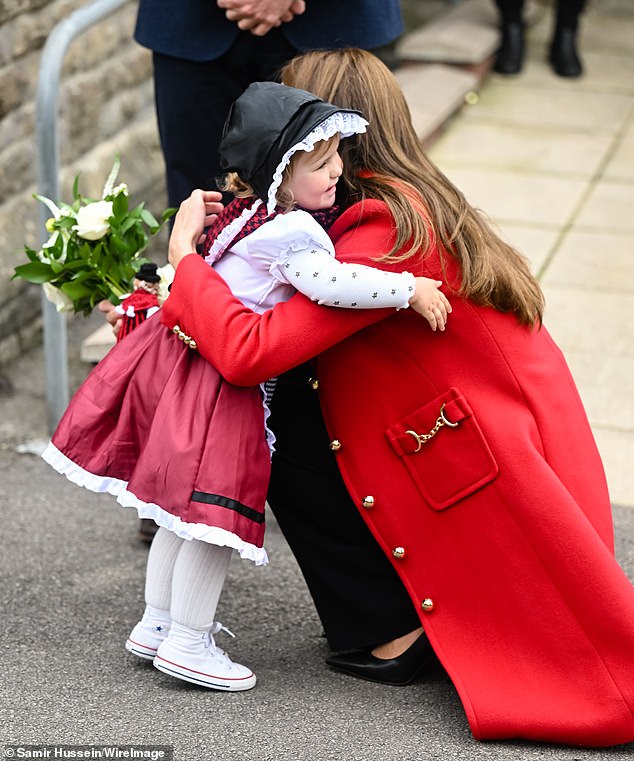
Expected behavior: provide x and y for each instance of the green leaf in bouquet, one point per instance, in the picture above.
(149, 220)
(34, 272)
(107, 262)
(128, 224)
(55, 250)
(140, 241)
(75, 290)
(122, 277)
(83, 252)
(84, 276)
(118, 243)
(119, 206)
(96, 255)
(80, 295)
(31, 254)
(65, 223)
(75, 265)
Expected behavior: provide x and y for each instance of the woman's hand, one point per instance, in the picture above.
(194, 214)
(431, 302)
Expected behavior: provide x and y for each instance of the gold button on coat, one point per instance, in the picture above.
(427, 605)
(368, 501)
(314, 383)
(335, 445)
(398, 552)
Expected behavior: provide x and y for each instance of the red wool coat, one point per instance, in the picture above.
(499, 525)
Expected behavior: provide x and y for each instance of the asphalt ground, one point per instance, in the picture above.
(73, 571)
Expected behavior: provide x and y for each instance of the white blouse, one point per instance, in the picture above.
(293, 252)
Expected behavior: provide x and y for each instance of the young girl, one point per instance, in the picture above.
(157, 426)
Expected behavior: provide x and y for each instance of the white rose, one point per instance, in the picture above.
(166, 273)
(57, 297)
(92, 220)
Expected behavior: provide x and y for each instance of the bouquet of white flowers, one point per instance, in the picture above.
(94, 247)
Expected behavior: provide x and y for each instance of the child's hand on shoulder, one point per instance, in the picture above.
(429, 301)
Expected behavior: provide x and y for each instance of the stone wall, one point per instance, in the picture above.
(105, 107)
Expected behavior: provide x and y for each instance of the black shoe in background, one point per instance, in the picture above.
(510, 56)
(564, 57)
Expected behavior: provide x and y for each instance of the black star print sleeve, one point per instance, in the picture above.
(318, 275)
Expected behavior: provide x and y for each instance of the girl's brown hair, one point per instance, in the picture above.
(398, 172)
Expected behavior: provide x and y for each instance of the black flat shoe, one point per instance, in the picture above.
(563, 55)
(397, 671)
(510, 56)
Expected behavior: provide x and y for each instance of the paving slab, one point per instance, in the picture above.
(609, 207)
(95, 346)
(550, 104)
(489, 144)
(581, 261)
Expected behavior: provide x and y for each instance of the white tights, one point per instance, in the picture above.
(185, 578)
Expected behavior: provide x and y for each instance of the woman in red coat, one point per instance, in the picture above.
(467, 453)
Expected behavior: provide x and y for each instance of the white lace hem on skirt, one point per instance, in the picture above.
(116, 487)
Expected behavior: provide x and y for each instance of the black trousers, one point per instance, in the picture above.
(358, 595)
(568, 11)
(193, 99)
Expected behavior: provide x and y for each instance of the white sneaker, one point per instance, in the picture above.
(148, 634)
(194, 656)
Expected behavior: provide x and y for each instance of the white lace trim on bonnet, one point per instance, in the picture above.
(342, 122)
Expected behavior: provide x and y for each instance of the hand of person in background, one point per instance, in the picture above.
(194, 215)
(429, 301)
(260, 16)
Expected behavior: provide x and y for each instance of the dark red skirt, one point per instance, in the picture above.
(156, 425)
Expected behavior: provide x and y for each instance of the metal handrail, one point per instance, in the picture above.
(47, 139)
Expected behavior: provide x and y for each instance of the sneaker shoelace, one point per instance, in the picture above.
(210, 642)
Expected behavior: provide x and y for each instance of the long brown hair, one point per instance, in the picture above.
(388, 163)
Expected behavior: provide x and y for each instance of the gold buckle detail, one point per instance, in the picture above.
(423, 438)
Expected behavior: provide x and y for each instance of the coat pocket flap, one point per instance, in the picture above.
(444, 450)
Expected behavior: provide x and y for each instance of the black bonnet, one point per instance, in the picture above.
(266, 121)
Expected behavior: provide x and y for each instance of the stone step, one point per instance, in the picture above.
(466, 34)
(434, 92)
(95, 346)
